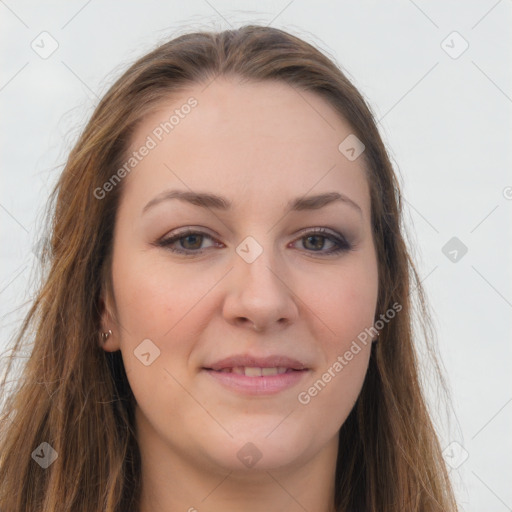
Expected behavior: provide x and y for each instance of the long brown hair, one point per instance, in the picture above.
(76, 397)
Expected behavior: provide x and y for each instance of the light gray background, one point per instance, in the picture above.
(447, 122)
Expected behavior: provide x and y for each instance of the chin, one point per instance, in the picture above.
(250, 457)
(263, 447)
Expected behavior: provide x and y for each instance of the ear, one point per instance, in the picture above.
(108, 323)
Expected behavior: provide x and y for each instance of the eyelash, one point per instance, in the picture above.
(341, 244)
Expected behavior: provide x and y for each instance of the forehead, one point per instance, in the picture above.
(253, 138)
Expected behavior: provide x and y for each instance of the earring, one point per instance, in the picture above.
(105, 335)
(376, 338)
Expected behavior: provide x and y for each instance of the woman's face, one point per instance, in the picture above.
(208, 322)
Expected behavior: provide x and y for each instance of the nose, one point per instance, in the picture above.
(260, 295)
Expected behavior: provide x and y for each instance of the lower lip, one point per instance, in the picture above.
(265, 385)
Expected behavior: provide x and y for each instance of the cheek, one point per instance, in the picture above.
(152, 295)
(344, 305)
(167, 304)
(155, 302)
(333, 394)
(327, 399)
(344, 301)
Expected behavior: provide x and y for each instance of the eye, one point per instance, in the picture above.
(188, 242)
(315, 240)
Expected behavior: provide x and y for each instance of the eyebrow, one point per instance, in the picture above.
(207, 200)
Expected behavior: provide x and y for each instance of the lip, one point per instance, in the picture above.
(264, 385)
(260, 362)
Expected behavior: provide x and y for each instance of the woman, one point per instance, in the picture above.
(225, 322)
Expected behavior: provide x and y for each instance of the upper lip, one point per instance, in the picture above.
(257, 362)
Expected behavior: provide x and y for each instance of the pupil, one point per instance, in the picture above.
(196, 238)
(318, 239)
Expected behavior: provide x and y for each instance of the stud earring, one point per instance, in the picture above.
(105, 335)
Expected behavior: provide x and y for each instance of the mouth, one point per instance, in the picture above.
(254, 364)
(254, 371)
(257, 376)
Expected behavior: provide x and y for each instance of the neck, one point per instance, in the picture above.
(172, 482)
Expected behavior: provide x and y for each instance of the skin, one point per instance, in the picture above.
(259, 145)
